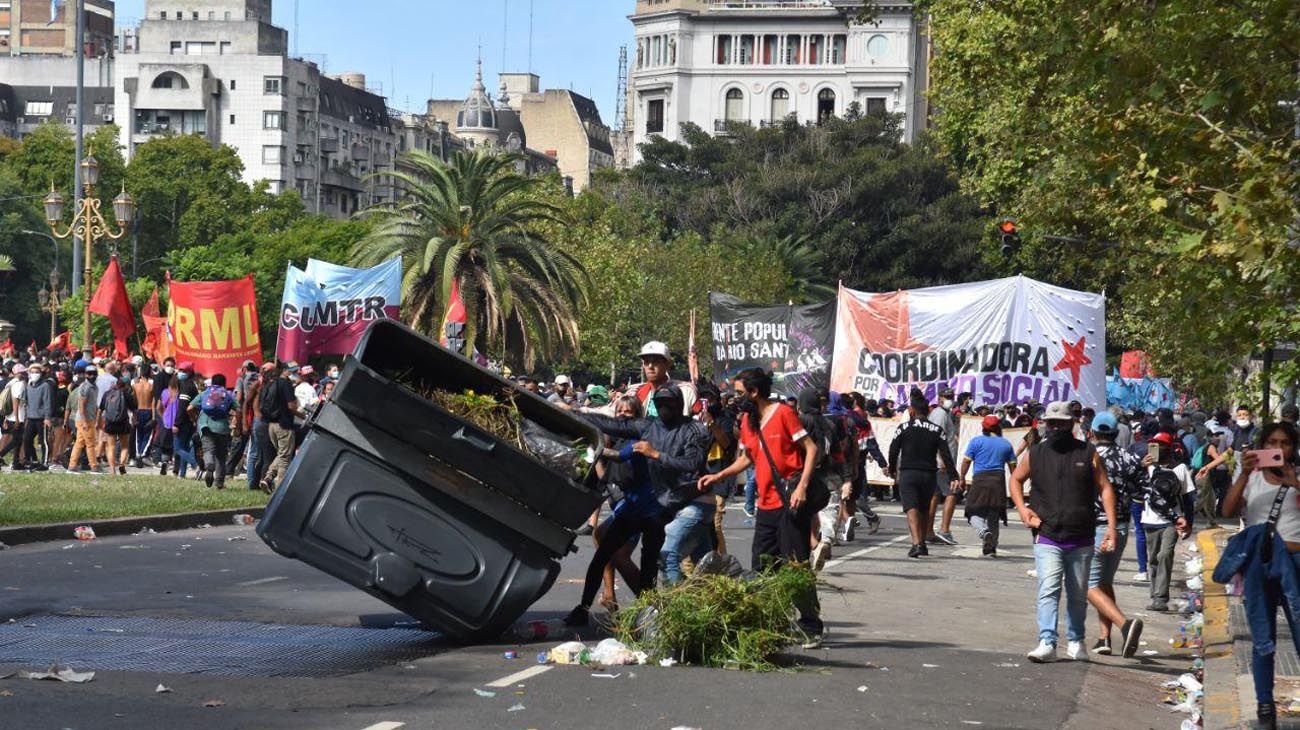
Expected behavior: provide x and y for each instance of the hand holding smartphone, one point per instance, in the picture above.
(1268, 458)
(1153, 450)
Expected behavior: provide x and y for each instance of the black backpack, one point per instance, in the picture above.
(268, 401)
(115, 407)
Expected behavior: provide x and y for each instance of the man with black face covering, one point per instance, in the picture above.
(1067, 475)
(913, 464)
(667, 454)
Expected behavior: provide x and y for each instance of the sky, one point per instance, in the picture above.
(411, 46)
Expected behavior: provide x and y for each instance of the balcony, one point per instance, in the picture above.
(722, 126)
(342, 176)
(329, 145)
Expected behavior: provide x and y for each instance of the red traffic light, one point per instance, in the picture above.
(1008, 227)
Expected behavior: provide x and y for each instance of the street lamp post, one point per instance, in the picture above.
(89, 225)
(52, 300)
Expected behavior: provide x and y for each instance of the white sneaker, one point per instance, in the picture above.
(1043, 654)
(1077, 651)
(1141, 578)
(820, 555)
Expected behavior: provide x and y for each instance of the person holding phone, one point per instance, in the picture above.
(1162, 516)
(1253, 492)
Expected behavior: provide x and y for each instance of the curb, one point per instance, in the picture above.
(1222, 696)
(26, 534)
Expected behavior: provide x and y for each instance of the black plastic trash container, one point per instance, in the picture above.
(409, 503)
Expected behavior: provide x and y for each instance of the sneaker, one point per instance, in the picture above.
(221, 484)
(1141, 577)
(579, 616)
(208, 476)
(1077, 651)
(749, 511)
(584, 530)
(873, 525)
(1102, 647)
(812, 641)
(162, 469)
(946, 538)
(121, 470)
(1266, 714)
(820, 555)
(915, 552)
(1132, 633)
(933, 540)
(1043, 654)
(990, 544)
(40, 467)
(925, 549)
(1158, 606)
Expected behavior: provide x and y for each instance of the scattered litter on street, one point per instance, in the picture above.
(971, 722)
(612, 652)
(242, 519)
(59, 674)
(236, 538)
(607, 676)
(1150, 652)
(862, 688)
(215, 703)
(3, 546)
(570, 652)
(667, 662)
(147, 531)
(1007, 665)
(205, 526)
(930, 666)
(511, 655)
(484, 693)
(6, 693)
(162, 689)
(516, 708)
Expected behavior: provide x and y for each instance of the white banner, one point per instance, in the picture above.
(1006, 341)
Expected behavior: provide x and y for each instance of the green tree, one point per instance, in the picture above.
(1128, 125)
(31, 258)
(474, 222)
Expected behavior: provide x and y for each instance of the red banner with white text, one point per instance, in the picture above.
(214, 324)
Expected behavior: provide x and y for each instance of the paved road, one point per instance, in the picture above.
(914, 644)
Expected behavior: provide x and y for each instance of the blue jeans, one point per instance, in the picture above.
(1057, 567)
(1106, 565)
(751, 490)
(1263, 648)
(184, 449)
(687, 534)
(255, 447)
(1135, 510)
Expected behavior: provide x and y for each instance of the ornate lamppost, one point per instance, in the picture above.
(52, 300)
(89, 225)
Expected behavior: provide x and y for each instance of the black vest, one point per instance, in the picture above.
(1064, 490)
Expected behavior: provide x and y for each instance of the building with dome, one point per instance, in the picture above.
(711, 62)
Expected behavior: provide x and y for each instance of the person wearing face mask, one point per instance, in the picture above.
(40, 408)
(1244, 429)
(162, 437)
(914, 454)
(947, 419)
(13, 423)
(1163, 518)
(1061, 513)
(668, 455)
(83, 409)
(117, 410)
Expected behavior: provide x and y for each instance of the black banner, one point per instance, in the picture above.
(794, 342)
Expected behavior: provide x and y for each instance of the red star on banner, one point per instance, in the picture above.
(1074, 360)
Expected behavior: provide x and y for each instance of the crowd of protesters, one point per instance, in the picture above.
(75, 413)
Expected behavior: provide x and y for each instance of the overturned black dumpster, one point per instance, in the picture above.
(421, 508)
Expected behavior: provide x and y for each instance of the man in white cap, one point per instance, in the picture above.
(563, 391)
(1068, 476)
(655, 362)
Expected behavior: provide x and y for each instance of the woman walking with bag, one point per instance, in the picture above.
(1270, 579)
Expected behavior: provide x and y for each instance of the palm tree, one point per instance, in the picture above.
(802, 263)
(472, 222)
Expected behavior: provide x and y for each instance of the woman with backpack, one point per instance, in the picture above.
(115, 422)
(214, 405)
(177, 423)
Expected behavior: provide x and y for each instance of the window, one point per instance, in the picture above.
(771, 49)
(816, 49)
(170, 80)
(201, 48)
(272, 120)
(793, 50)
(232, 120)
(825, 105)
(735, 107)
(272, 154)
(876, 105)
(780, 104)
(224, 48)
(212, 15)
(195, 15)
(877, 47)
(724, 49)
(38, 108)
(162, 15)
(273, 85)
(227, 15)
(177, 47)
(747, 50)
(654, 116)
(232, 84)
(657, 55)
(838, 49)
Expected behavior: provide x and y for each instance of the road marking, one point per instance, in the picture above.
(263, 581)
(865, 551)
(385, 726)
(520, 676)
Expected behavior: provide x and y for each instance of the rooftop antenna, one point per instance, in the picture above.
(505, 32)
(295, 29)
(530, 36)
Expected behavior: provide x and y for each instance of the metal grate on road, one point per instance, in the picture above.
(1285, 660)
(233, 648)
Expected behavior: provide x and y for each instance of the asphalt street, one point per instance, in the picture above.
(936, 642)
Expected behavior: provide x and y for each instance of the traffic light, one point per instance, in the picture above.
(1009, 230)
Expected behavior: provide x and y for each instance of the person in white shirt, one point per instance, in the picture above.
(1162, 516)
(304, 388)
(16, 420)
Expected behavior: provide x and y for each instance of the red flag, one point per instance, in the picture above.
(157, 341)
(1135, 364)
(97, 351)
(7, 348)
(62, 342)
(453, 323)
(111, 301)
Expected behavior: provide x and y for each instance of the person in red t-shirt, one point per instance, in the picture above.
(783, 521)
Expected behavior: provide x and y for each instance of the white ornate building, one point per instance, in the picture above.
(758, 61)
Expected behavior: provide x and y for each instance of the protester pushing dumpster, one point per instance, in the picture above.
(436, 486)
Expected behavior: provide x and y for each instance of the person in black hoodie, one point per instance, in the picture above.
(667, 459)
(913, 455)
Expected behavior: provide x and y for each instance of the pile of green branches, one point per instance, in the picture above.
(719, 621)
(498, 416)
